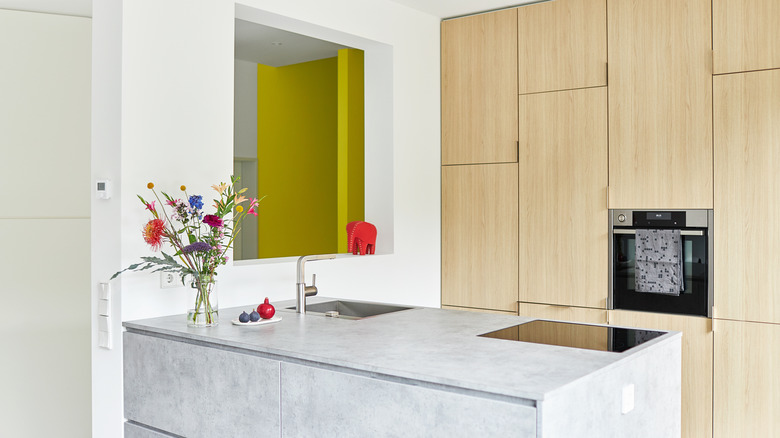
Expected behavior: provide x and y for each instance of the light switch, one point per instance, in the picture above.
(104, 340)
(103, 324)
(104, 308)
(104, 291)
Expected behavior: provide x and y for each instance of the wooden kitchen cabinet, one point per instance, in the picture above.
(562, 45)
(747, 382)
(745, 35)
(660, 104)
(479, 88)
(697, 367)
(562, 313)
(563, 189)
(747, 196)
(479, 236)
(477, 310)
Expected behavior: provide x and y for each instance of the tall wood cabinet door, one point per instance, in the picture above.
(745, 35)
(660, 104)
(697, 345)
(562, 45)
(747, 381)
(479, 88)
(747, 196)
(479, 236)
(563, 190)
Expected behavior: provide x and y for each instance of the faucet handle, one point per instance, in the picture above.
(313, 279)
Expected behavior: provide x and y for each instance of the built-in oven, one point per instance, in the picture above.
(688, 235)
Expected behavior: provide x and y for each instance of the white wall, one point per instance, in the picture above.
(107, 414)
(245, 124)
(245, 150)
(176, 128)
(44, 224)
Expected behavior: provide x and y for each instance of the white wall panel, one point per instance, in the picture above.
(45, 326)
(44, 115)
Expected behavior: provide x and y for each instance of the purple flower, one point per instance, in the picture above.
(212, 221)
(196, 247)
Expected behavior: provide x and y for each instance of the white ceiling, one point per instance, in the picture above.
(275, 47)
(81, 8)
(456, 8)
(438, 8)
(254, 42)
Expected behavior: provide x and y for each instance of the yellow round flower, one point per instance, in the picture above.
(150, 186)
(239, 208)
(183, 188)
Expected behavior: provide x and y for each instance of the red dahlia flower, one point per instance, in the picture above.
(212, 221)
(153, 232)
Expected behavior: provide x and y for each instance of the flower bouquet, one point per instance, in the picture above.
(200, 242)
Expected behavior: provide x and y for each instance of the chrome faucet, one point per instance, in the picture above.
(300, 282)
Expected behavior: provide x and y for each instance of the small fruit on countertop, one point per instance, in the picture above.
(244, 317)
(254, 316)
(266, 310)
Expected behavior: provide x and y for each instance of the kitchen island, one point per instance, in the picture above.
(417, 372)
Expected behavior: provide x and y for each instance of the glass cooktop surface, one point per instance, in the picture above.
(565, 334)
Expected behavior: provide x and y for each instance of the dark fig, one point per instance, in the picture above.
(243, 317)
(254, 316)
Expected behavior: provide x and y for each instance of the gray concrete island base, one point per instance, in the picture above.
(421, 372)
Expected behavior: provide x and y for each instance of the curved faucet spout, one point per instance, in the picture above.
(303, 290)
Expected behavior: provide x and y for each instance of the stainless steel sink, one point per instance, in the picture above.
(351, 309)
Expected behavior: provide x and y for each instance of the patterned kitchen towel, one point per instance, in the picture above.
(659, 262)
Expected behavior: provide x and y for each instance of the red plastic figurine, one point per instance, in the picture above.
(362, 238)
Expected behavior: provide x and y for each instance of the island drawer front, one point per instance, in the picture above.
(196, 391)
(318, 402)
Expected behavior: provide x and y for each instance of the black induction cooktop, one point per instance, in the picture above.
(591, 337)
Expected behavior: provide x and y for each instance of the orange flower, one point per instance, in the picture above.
(239, 208)
(220, 188)
(183, 188)
(153, 232)
(150, 186)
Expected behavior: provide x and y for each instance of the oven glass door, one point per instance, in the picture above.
(692, 301)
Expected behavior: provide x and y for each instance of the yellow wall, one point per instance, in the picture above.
(310, 118)
(351, 142)
(297, 129)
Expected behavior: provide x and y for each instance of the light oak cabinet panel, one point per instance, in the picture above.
(697, 351)
(479, 88)
(479, 236)
(660, 104)
(563, 189)
(563, 313)
(747, 381)
(472, 309)
(745, 35)
(562, 45)
(747, 196)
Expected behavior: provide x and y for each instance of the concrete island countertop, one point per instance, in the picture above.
(429, 345)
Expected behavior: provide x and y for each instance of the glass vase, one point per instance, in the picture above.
(204, 306)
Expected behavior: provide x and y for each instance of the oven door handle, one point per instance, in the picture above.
(682, 232)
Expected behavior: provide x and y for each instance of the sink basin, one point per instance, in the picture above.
(351, 309)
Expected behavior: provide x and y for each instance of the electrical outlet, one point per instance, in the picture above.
(169, 279)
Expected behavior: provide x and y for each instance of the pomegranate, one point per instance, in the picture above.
(266, 310)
